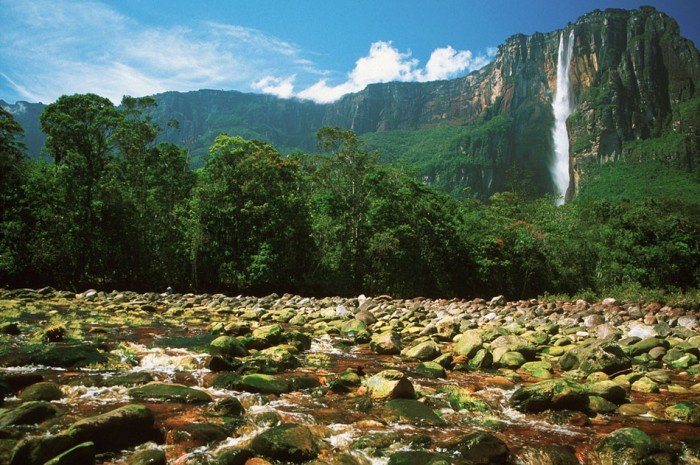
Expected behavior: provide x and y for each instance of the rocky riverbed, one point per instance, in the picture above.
(126, 378)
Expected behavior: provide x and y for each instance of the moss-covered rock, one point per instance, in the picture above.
(386, 343)
(42, 391)
(417, 458)
(427, 350)
(290, 442)
(468, 344)
(429, 370)
(686, 412)
(482, 449)
(625, 446)
(166, 392)
(82, 454)
(29, 413)
(555, 394)
(389, 384)
(149, 456)
(227, 346)
(413, 412)
(596, 355)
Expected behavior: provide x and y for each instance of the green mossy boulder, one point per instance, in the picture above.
(686, 412)
(386, 343)
(555, 394)
(29, 413)
(82, 454)
(147, 457)
(413, 412)
(166, 392)
(417, 458)
(41, 391)
(595, 355)
(481, 448)
(389, 384)
(288, 442)
(427, 350)
(627, 446)
(227, 346)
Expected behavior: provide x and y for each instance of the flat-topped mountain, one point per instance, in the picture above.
(633, 86)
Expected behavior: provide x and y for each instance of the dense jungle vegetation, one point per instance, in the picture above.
(111, 208)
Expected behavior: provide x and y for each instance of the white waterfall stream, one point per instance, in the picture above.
(561, 106)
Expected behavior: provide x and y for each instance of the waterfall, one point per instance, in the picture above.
(561, 106)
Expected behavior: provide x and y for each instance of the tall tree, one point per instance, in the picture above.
(250, 229)
(12, 175)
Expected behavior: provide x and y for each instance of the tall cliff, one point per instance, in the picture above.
(633, 81)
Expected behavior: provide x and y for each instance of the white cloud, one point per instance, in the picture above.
(54, 47)
(279, 87)
(77, 47)
(385, 63)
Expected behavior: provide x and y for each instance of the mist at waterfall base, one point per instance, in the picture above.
(561, 106)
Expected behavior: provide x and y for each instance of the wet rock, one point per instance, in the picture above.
(514, 343)
(644, 384)
(645, 345)
(165, 392)
(234, 457)
(37, 450)
(686, 412)
(608, 390)
(542, 370)
(194, 435)
(468, 344)
(429, 370)
(357, 330)
(427, 350)
(290, 442)
(256, 382)
(509, 359)
(482, 449)
(82, 454)
(147, 457)
(386, 343)
(627, 446)
(596, 355)
(17, 381)
(482, 359)
(227, 346)
(11, 328)
(633, 410)
(68, 356)
(417, 458)
(413, 412)
(118, 429)
(545, 455)
(41, 391)
(265, 336)
(29, 413)
(128, 379)
(227, 407)
(464, 399)
(555, 394)
(389, 384)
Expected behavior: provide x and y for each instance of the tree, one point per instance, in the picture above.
(12, 176)
(249, 226)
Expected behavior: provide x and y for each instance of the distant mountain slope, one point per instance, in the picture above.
(634, 82)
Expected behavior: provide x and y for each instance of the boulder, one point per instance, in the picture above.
(289, 442)
(626, 446)
(413, 412)
(386, 343)
(147, 457)
(554, 394)
(427, 350)
(389, 384)
(468, 344)
(166, 392)
(117, 429)
(82, 454)
(596, 355)
(227, 346)
(41, 391)
(28, 413)
(417, 458)
(686, 412)
(545, 455)
(482, 448)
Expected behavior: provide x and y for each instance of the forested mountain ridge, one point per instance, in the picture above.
(633, 80)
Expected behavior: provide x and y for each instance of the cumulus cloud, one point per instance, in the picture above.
(385, 63)
(54, 47)
(279, 87)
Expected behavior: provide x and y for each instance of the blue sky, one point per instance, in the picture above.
(311, 49)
